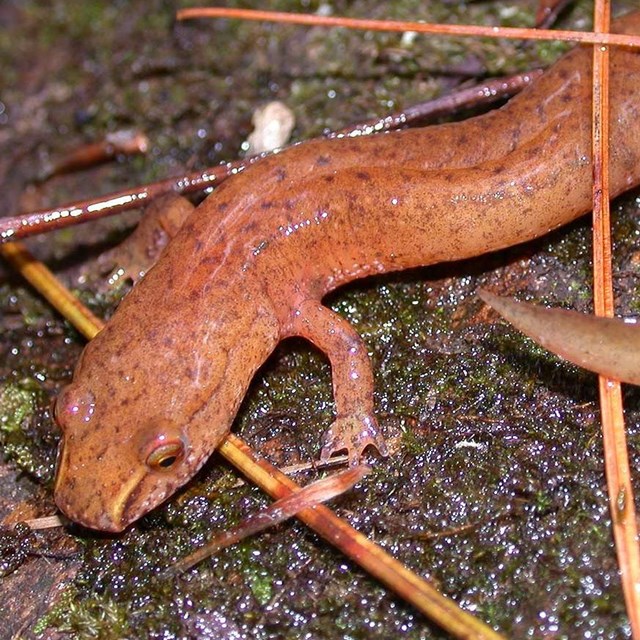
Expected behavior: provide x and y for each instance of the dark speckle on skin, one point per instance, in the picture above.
(281, 174)
(188, 228)
(323, 161)
(100, 454)
(364, 176)
(328, 178)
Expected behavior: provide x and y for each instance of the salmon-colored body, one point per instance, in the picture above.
(159, 388)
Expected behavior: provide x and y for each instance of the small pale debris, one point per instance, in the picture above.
(469, 444)
(273, 124)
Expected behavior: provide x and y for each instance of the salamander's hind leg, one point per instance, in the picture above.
(355, 426)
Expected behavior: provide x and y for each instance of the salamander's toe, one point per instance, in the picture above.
(353, 434)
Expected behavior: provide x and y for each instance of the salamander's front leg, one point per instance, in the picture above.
(133, 257)
(355, 426)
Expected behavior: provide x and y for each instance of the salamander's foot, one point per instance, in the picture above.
(132, 258)
(355, 434)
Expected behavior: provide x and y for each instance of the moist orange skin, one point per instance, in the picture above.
(251, 265)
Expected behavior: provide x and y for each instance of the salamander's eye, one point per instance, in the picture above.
(165, 451)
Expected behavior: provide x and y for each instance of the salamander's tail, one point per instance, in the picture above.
(610, 346)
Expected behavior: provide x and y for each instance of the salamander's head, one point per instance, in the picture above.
(144, 412)
(106, 479)
(124, 450)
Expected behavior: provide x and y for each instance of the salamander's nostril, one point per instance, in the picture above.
(74, 406)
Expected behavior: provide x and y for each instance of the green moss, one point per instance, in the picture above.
(18, 403)
(97, 618)
(260, 584)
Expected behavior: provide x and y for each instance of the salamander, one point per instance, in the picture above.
(157, 390)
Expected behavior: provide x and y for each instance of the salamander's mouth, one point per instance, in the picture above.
(112, 502)
(108, 493)
(90, 505)
(99, 522)
(96, 502)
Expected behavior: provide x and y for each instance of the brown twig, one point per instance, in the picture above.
(307, 19)
(548, 11)
(48, 286)
(621, 499)
(282, 509)
(118, 143)
(481, 94)
(358, 547)
(22, 226)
